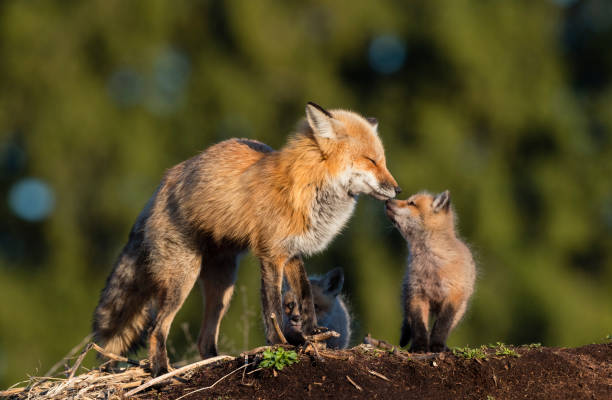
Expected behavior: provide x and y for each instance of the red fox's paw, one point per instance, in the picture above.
(158, 369)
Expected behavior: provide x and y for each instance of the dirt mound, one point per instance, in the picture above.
(363, 372)
(524, 372)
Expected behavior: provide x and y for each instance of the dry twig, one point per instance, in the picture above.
(278, 329)
(354, 384)
(378, 374)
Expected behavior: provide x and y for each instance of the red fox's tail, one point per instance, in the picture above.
(124, 313)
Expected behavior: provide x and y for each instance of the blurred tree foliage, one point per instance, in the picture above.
(507, 104)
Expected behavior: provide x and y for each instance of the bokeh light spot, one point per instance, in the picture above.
(31, 199)
(171, 71)
(387, 54)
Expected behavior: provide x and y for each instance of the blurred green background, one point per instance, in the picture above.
(506, 104)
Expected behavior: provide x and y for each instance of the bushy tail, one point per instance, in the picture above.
(124, 312)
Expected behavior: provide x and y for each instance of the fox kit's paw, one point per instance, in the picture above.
(319, 329)
(417, 347)
(438, 348)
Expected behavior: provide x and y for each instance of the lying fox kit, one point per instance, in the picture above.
(440, 275)
(331, 310)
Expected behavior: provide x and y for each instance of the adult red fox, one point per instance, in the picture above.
(440, 275)
(239, 194)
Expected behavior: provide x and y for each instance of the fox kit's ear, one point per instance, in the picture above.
(441, 201)
(333, 281)
(374, 122)
(320, 121)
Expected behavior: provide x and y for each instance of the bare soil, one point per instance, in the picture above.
(536, 373)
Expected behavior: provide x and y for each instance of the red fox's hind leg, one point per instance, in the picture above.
(217, 279)
(174, 285)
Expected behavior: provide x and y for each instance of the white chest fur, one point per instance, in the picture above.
(331, 209)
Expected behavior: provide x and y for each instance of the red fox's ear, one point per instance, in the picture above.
(320, 121)
(374, 122)
(441, 201)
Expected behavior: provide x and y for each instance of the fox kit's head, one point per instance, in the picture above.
(325, 290)
(351, 146)
(421, 213)
(292, 318)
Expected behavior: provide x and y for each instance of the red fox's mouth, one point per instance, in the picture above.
(379, 195)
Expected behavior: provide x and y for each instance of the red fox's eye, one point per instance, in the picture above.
(412, 203)
(291, 305)
(372, 161)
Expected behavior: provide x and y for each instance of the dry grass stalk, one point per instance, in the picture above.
(177, 372)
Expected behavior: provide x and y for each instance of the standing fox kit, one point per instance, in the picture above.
(330, 309)
(237, 195)
(440, 276)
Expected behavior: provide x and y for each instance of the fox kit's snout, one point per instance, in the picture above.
(440, 274)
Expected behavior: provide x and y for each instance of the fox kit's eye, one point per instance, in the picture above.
(291, 305)
(372, 161)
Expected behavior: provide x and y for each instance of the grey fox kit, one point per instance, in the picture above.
(440, 275)
(330, 308)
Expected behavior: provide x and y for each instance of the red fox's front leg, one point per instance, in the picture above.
(298, 281)
(271, 297)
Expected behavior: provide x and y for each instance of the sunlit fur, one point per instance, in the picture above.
(440, 274)
(236, 195)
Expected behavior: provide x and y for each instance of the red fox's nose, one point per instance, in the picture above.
(398, 190)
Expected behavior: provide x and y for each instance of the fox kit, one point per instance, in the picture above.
(330, 309)
(440, 276)
(237, 195)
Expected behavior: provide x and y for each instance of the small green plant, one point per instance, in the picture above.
(489, 397)
(503, 350)
(469, 353)
(609, 337)
(535, 346)
(278, 359)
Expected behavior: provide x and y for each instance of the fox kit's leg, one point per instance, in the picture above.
(175, 275)
(441, 328)
(450, 314)
(217, 279)
(418, 317)
(271, 296)
(298, 280)
(406, 333)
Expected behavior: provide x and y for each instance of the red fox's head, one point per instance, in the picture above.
(421, 213)
(350, 143)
